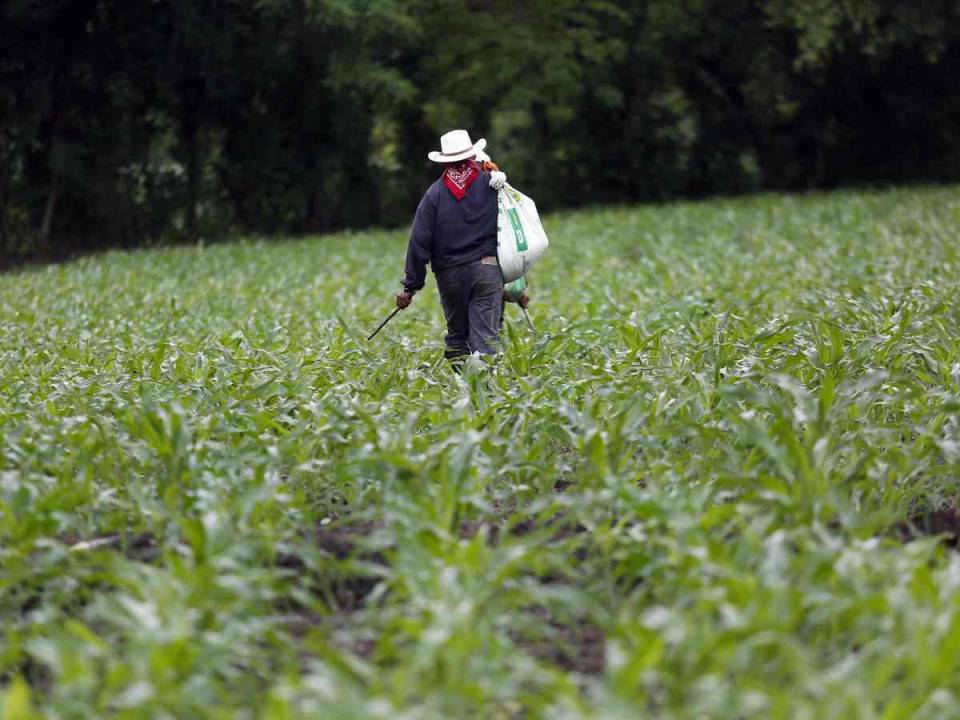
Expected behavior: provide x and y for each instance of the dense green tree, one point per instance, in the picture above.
(156, 120)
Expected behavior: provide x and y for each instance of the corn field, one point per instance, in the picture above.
(719, 480)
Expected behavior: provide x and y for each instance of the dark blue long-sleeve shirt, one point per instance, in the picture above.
(447, 232)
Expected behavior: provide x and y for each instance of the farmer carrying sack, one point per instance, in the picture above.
(520, 236)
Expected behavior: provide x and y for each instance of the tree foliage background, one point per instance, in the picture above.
(123, 123)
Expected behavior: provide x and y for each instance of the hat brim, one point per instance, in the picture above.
(439, 157)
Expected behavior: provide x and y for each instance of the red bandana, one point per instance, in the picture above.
(459, 178)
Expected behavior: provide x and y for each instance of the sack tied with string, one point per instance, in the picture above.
(521, 239)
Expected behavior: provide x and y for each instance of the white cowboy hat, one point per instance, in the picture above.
(456, 145)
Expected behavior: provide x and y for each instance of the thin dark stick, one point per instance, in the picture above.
(529, 321)
(389, 318)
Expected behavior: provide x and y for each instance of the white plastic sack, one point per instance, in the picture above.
(520, 236)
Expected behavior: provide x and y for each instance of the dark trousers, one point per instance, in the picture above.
(471, 296)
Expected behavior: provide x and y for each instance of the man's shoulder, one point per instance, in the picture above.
(483, 183)
(431, 194)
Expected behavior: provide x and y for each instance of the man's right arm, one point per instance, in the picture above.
(419, 249)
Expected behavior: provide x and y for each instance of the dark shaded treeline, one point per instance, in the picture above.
(155, 120)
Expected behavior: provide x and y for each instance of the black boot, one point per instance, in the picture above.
(456, 359)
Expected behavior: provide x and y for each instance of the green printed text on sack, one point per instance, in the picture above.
(517, 228)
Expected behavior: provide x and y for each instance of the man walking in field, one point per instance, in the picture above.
(455, 231)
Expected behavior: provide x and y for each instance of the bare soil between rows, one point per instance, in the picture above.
(943, 521)
(570, 644)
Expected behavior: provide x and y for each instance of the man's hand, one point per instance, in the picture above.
(523, 300)
(404, 299)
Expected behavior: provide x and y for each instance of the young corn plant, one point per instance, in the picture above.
(719, 480)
